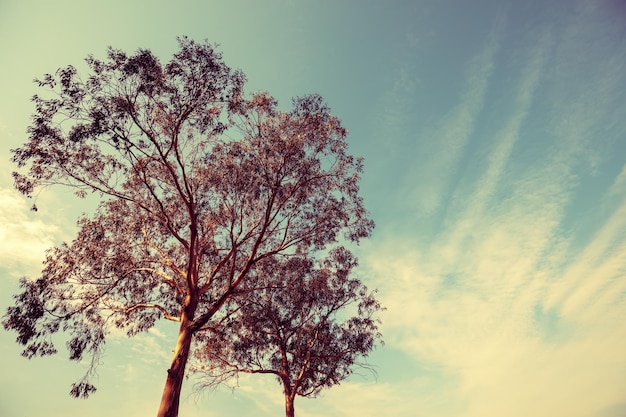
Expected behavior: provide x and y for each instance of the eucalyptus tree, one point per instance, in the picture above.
(198, 185)
(309, 325)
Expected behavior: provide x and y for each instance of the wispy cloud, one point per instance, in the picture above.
(349, 399)
(24, 238)
(448, 142)
(523, 316)
(474, 205)
(358, 399)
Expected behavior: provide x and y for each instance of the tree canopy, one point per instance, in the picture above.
(199, 187)
(309, 325)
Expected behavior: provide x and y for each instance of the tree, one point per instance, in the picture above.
(295, 328)
(198, 186)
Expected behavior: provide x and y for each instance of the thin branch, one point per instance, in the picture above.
(166, 315)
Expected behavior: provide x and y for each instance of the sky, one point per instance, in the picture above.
(494, 139)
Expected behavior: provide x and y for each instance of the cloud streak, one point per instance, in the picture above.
(450, 140)
(521, 316)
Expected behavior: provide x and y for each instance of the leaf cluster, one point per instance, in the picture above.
(311, 325)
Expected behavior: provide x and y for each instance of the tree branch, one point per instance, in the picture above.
(158, 307)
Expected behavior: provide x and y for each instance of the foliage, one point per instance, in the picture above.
(308, 326)
(199, 186)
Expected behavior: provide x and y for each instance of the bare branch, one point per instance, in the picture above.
(166, 315)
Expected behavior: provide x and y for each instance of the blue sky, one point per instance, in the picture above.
(494, 138)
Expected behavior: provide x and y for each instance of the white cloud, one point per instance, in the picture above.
(483, 326)
(525, 317)
(359, 399)
(594, 278)
(618, 188)
(349, 399)
(24, 237)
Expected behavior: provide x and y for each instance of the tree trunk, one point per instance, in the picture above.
(170, 400)
(289, 408)
(171, 393)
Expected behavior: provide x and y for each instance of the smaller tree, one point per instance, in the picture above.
(293, 323)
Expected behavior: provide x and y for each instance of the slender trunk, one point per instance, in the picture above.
(289, 391)
(170, 400)
(175, 375)
(289, 408)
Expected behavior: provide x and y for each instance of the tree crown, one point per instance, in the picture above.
(199, 187)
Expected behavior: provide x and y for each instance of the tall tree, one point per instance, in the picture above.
(309, 326)
(198, 185)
